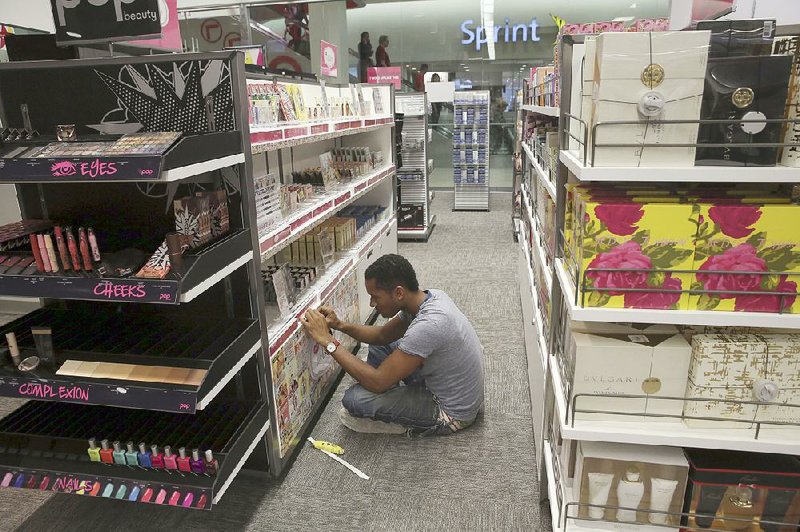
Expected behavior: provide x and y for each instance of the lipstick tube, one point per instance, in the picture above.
(62, 248)
(51, 253)
(83, 242)
(43, 252)
(93, 245)
(37, 254)
(13, 348)
(72, 246)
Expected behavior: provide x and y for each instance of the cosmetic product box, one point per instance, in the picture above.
(748, 367)
(648, 76)
(790, 132)
(627, 362)
(737, 38)
(659, 473)
(738, 485)
(743, 88)
(411, 216)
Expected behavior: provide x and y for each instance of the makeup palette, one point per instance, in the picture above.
(154, 143)
(15, 234)
(132, 372)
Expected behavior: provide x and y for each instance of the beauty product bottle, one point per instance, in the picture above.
(156, 458)
(212, 466)
(740, 507)
(599, 486)
(134, 493)
(709, 503)
(45, 483)
(106, 454)
(95, 491)
(170, 460)
(121, 491)
(144, 456)
(183, 460)
(108, 491)
(13, 349)
(147, 495)
(31, 482)
(196, 463)
(118, 454)
(630, 491)
(20, 481)
(175, 498)
(94, 450)
(43, 339)
(7, 480)
(187, 501)
(162, 495)
(201, 502)
(661, 492)
(131, 456)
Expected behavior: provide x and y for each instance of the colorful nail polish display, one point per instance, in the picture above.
(144, 456)
(106, 453)
(170, 460)
(131, 456)
(183, 460)
(195, 463)
(94, 451)
(118, 454)
(156, 458)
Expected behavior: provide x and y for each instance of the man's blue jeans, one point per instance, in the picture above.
(412, 405)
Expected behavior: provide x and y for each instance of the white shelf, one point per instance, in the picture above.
(289, 135)
(699, 174)
(538, 323)
(182, 172)
(542, 176)
(540, 254)
(206, 400)
(675, 317)
(673, 433)
(542, 109)
(555, 511)
(309, 216)
(217, 277)
(280, 330)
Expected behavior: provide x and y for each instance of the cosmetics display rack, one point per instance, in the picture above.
(193, 372)
(415, 221)
(553, 310)
(369, 124)
(542, 109)
(471, 150)
(204, 268)
(318, 210)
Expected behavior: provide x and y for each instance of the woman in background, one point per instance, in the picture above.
(364, 56)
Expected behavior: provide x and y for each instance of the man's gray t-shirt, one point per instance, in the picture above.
(453, 368)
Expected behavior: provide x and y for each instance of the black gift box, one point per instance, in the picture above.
(411, 216)
(743, 88)
(737, 38)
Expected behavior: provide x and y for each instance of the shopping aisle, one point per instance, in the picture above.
(480, 479)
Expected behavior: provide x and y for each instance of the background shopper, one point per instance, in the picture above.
(419, 81)
(436, 107)
(364, 56)
(381, 57)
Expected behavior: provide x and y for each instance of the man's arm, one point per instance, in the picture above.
(385, 334)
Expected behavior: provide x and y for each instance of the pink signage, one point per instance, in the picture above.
(328, 59)
(170, 30)
(384, 75)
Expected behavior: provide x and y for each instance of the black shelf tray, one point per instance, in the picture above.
(214, 345)
(188, 150)
(202, 266)
(41, 440)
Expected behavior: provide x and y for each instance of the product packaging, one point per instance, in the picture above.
(737, 38)
(790, 132)
(727, 488)
(648, 481)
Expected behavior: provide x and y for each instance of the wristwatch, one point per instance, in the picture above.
(331, 347)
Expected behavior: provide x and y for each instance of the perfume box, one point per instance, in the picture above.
(727, 488)
(747, 89)
(747, 368)
(736, 38)
(411, 216)
(753, 239)
(628, 362)
(634, 488)
(790, 132)
(641, 77)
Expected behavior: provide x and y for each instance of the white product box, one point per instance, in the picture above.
(791, 46)
(576, 100)
(663, 72)
(661, 485)
(628, 362)
(587, 90)
(745, 367)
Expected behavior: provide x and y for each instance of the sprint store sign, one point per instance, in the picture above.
(95, 21)
(507, 33)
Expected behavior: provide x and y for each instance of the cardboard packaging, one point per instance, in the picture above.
(790, 132)
(752, 239)
(629, 362)
(737, 38)
(746, 367)
(727, 485)
(661, 474)
(641, 77)
(748, 89)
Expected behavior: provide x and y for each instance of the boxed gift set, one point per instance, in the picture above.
(636, 487)
(732, 490)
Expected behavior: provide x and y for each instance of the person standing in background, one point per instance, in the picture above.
(419, 81)
(436, 107)
(381, 57)
(364, 56)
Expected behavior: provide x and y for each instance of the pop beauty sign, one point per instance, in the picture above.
(92, 21)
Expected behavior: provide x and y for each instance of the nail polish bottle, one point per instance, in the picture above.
(175, 499)
(170, 460)
(118, 453)
(183, 460)
(196, 463)
(20, 481)
(134, 493)
(161, 497)
(201, 503)
(212, 466)
(108, 491)
(147, 495)
(156, 458)
(187, 501)
(123, 489)
(131, 456)
(106, 454)
(94, 450)
(45, 483)
(144, 456)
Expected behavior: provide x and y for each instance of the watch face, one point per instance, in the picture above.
(331, 347)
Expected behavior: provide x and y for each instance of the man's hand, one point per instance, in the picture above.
(316, 327)
(331, 317)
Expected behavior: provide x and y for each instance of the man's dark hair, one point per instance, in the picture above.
(392, 270)
(424, 66)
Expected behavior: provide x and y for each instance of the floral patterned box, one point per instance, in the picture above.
(751, 239)
(656, 235)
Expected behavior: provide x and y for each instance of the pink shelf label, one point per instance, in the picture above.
(361, 186)
(322, 208)
(341, 199)
(370, 122)
(341, 125)
(319, 128)
(355, 124)
(299, 222)
(292, 132)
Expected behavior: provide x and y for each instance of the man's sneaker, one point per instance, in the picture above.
(369, 426)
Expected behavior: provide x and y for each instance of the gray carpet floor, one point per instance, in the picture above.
(479, 479)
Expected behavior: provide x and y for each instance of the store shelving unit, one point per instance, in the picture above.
(415, 221)
(557, 414)
(547, 110)
(206, 318)
(471, 138)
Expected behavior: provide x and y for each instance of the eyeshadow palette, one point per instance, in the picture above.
(15, 234)
(154, 143)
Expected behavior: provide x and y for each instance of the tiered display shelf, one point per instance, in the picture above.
(415, 221)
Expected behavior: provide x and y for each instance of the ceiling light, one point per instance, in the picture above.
(633, 5)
